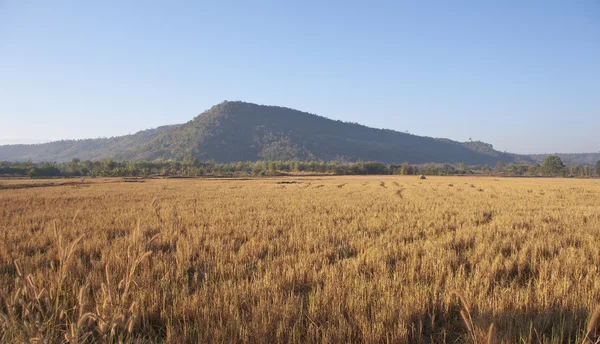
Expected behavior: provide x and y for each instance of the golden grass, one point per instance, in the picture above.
(328, 260)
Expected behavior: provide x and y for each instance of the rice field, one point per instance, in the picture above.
(375, 259)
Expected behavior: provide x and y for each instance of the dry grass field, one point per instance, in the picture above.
(293, 260)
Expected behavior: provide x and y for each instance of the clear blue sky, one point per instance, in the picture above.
(522, 75)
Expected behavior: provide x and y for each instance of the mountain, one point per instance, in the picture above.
(88, 149)
(239, 131)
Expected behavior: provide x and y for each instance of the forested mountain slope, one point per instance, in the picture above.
(239, 131)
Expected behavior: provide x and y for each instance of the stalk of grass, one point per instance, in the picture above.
(591, 335)
(465, 314)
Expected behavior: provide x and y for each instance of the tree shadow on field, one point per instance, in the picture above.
(555, 325)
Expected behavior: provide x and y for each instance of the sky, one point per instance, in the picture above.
(521, 75)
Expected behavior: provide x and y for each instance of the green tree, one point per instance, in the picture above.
(533, 170)
(32, 172)
(108, 164)
(553, 166)
(597, 168)
(448, 169)
(499, 166)
(190, 161)
(406, 169)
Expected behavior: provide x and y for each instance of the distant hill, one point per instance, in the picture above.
(588, 159)
(87, 149)
(239, 131)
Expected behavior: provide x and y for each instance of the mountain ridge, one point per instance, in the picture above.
(240, 131)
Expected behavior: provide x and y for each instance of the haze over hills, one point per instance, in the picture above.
(588, 159)
(239, 131)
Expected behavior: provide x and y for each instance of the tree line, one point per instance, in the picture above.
(552, 166)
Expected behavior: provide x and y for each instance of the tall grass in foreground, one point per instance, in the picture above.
(46, 312)
(258, 261)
